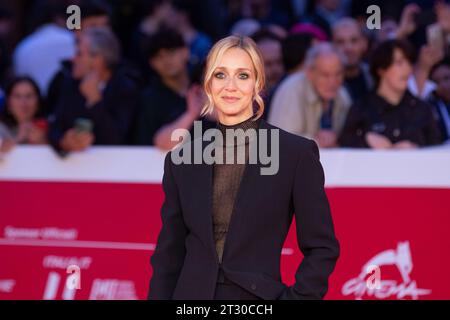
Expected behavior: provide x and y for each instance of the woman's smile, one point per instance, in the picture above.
(230, 99)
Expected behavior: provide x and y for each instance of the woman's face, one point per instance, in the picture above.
(396, 76)
(23, 102)
(233, 86)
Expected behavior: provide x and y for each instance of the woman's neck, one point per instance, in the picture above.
(235, 119)
(241, 139)
(22, 122)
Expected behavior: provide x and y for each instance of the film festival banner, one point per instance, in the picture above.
(85, 227)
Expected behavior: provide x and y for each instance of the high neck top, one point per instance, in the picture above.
(226, 180)
(250, 123)
(245, 125)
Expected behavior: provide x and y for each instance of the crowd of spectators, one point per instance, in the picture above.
(133, 73)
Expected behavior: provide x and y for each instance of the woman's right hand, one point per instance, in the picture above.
(23, 132)
(6, 144)
(195, 98)
(37, 135)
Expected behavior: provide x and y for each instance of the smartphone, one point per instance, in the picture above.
(83, 125)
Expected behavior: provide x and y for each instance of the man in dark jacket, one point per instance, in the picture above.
(390, 116)
(411, 121)
(440, 98)
(97, 93)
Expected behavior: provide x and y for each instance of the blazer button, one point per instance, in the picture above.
(253, 286)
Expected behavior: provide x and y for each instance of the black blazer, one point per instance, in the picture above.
(185, 262)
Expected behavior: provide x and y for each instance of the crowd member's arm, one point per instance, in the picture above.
(194, 101)
(407, 24)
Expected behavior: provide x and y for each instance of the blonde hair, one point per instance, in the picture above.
(216, 53)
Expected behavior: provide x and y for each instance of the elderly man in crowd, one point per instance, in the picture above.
(96, 103)
(314, 103)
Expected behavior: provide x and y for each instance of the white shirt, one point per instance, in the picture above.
(428, 88)
(297, 108)
(39, 55)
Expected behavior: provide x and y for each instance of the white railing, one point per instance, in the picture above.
(429, 167)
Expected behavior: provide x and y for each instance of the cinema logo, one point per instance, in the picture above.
(190, 150)
(372, 286)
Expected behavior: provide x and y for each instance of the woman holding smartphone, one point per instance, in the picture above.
(21, 121)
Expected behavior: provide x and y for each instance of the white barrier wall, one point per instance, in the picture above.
(428, 167)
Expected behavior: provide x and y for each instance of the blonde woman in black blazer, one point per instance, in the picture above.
(224, 225)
